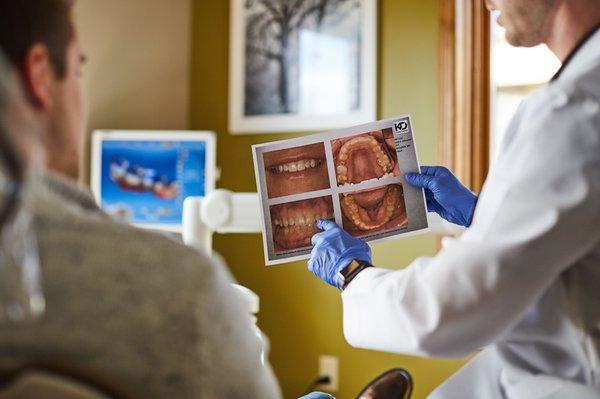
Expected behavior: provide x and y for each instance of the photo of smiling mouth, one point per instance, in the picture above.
(369, 156)
(296, 167)
(373, 210)
(294, 223)
(296, 170)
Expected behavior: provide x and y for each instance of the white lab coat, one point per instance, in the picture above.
(523, 282)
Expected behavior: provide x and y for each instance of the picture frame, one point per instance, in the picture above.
(320, 75)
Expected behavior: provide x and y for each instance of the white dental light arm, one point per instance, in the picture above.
(220, 211)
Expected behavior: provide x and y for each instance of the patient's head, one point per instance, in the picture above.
(39, 38)
(17, 144)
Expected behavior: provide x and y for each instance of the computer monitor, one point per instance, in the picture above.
(143, 177)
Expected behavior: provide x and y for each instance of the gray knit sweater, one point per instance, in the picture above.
(133, 311)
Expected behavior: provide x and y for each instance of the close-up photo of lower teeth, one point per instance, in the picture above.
(373, 210)
(363, 158)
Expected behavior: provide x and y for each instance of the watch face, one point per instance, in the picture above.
(347, 271)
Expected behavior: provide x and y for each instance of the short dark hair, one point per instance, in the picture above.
(24, 23)
(4, 83)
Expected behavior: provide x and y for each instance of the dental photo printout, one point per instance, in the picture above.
(354, 177)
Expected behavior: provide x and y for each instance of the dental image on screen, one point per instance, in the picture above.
(145, 182)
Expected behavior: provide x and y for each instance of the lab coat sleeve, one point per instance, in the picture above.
(538, 214)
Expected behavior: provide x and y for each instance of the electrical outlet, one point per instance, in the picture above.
(329, 367)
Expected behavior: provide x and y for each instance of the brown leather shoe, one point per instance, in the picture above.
(393, 384)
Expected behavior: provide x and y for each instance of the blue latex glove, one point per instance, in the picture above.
(333, 250)
(445, 194)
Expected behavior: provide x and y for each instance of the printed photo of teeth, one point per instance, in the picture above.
(294, 223)
(373, 210)
(352, 176)
(365, 157)
(296, 170)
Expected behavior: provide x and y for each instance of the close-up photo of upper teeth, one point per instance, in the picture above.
(299, 166)
(358, 145)
(302, 220)
(385, 176)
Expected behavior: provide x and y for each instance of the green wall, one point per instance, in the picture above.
(301, 315)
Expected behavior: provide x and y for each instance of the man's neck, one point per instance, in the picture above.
(62, 167)
(573, 20)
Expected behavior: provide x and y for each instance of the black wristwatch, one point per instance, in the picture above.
(348, 273)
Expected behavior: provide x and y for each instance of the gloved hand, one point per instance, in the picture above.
(445, 194)
(334, 249)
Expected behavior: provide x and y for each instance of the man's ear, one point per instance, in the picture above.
(38, 76)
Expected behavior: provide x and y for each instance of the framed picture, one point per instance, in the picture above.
(300, 65)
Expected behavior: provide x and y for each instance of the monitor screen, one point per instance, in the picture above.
(143, 179)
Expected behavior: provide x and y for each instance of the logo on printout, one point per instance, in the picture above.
(401, 126)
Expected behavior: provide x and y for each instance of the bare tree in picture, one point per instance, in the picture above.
(271, 29)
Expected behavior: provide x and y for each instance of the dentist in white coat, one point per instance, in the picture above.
(523, 281)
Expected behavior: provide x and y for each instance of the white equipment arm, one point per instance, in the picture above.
(220, 211)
